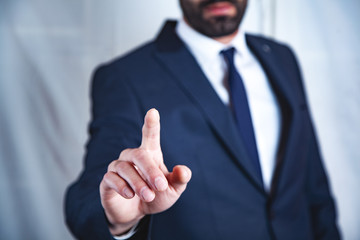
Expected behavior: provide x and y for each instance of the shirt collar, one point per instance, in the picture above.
(206, 46)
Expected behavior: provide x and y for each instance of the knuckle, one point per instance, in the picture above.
(150, 133)
(122, 167)
(152, 172)
(112, 165)
(124, 153)
(127, 154)
(153, 134)
(141, 155)
(111, 181)
(107, 178)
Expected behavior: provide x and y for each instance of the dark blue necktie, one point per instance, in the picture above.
(241, 109)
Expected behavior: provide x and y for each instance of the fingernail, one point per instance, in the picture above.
(147, 194)
(127, 192)
(160, 184)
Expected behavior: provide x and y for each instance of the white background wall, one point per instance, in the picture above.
(48, 49)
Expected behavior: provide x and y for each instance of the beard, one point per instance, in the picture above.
(212, 26)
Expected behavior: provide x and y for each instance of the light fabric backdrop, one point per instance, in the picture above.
(49, 48)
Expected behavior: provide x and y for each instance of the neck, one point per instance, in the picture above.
(226, 39)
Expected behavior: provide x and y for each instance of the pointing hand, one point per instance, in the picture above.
(138, 182)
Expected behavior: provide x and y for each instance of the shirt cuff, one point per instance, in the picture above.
(127, 235)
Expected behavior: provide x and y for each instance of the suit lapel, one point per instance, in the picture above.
(274, 71)
(176, 58)
(284, 93)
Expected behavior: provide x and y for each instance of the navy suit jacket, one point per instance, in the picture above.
(225, 198)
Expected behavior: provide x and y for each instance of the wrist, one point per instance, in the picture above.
(117, 229)
(127, 235)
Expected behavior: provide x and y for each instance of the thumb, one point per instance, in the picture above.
(179, 178)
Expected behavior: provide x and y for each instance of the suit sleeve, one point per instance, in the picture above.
(116, 125)
(321, 203)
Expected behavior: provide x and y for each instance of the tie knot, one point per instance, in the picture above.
(229, 55)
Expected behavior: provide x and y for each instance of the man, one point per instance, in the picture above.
(234, 120)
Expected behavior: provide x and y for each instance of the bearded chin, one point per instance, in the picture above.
(221, 26)
(217, 26)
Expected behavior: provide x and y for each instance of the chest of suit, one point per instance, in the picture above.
(197, 130)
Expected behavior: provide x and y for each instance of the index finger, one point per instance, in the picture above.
(151, 130)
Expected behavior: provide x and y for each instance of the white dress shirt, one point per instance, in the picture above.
(262, 102)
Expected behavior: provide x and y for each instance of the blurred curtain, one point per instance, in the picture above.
(48, 50)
